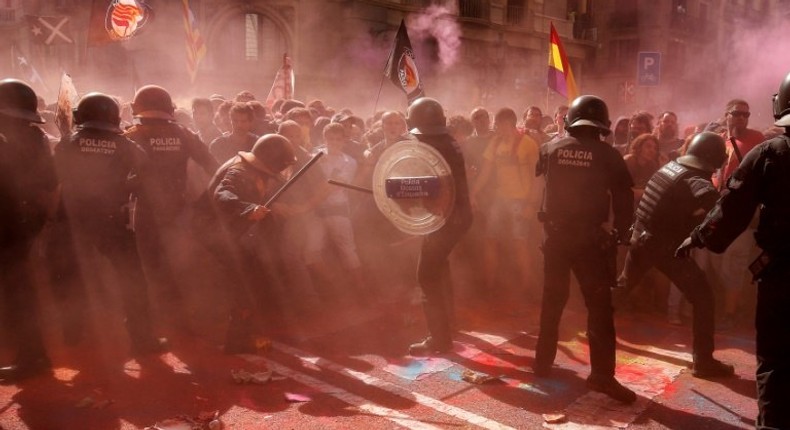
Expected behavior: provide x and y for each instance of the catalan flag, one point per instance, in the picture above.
(196, 48)
(560, 74)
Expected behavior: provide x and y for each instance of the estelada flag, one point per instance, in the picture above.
(283, 86)
(401, 68)
(560, 74)
(196, 48)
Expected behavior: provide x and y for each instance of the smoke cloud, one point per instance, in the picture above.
(438, 22)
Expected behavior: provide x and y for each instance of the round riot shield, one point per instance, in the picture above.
(413, 187)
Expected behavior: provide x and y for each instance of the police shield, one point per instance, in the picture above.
(413, 187)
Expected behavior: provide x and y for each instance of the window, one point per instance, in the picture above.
(515, 12)
(251, 37)
(622, 54)
(676, 57)
(473, 8)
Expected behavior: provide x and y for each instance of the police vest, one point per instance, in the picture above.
(655, 198)
(773, 232)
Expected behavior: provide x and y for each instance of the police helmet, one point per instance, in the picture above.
(18, 100)
(99, 111)
(706, 152)
(588, 111)
(426, 116)
(782, 104)
(271, 154)
(153, 101)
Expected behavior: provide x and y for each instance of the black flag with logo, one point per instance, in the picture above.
(401, 68)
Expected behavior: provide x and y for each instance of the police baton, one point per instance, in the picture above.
(349, 186)
(293, 179)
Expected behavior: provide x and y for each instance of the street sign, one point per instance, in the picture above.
(648, 73)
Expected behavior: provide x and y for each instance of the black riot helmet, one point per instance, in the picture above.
(18, 100)
(426, 116)
(99, 111)
(153, 101)
(271, 154)
(588, 111)
(782, 104)
(706, 152)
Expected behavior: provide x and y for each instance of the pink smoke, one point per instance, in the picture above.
(432, 22)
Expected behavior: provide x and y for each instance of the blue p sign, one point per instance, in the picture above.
(648, 72)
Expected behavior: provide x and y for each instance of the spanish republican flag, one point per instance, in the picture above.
(560, 74)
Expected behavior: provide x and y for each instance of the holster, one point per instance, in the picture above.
(763, 264)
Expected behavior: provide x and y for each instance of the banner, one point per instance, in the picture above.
(117, 20)
(283, 86)
(560, 75)
(50, 30)
(196, 49)
(67, 100)
(401, 68)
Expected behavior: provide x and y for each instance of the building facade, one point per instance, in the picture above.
(469, 52)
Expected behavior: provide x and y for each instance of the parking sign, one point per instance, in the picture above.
(648, 73)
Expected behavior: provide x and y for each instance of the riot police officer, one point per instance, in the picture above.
(94, 165)
(581, 172)
(427, 122)
(162, 194)
(675, 200)
(762, 180)
(238, 192)
(28, 190)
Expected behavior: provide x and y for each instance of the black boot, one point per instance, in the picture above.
(429, 346)
(24, 369)
(612, 388)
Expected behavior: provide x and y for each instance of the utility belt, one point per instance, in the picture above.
(766, 262)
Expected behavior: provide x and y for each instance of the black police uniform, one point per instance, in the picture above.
(668, 211)
(94, 166)
(763, 178)
(162, 192)
(235, 191)
(27, 187)
(433, 268)
(580, 176)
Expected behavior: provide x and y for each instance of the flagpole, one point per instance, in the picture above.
(383, 75)
(376, 105)
(548, 94)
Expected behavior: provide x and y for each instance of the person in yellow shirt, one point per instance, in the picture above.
(509, 160)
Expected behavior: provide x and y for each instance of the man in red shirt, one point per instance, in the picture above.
(736, 259)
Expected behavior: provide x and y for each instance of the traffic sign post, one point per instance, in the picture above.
(648, 73)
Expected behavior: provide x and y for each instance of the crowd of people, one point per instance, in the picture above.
(134, 182)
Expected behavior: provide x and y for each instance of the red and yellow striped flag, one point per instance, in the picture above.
(196, 49)
(560, 74)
